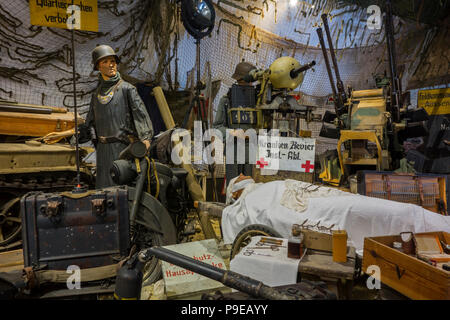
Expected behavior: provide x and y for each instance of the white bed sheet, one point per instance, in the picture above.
(359, 215)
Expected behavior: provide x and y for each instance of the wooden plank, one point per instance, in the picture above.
(214, 209)
(406, 274)
(409, 284)
(15, 123)
(405, 261)
(207, 228)
(11, 260)
(322, 264)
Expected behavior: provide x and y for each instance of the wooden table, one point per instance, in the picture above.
(321, 264)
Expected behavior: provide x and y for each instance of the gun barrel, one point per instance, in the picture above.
(337, 105)
(229, 278)
(395, 81)
(294, 73)
(25, 109)
(32, 106)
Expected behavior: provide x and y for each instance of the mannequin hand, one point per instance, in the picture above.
(147, 144)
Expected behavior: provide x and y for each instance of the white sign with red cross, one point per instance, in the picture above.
(286, 153)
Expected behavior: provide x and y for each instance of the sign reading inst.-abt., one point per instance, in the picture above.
(435, 101)
(67, 14)
(180, 281)
(286, 153)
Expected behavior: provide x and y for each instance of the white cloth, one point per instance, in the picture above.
(247, 188)
(359, 215)
(295, 195)
(241, 184)
(277, 270)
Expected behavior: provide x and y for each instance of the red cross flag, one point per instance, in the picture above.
(261, 163)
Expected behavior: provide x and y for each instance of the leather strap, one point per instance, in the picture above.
(105, 99)
(112, 139)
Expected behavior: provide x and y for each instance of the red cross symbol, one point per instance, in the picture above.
(307, 166)
(262, 163)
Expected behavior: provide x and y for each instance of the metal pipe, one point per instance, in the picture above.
(77, 149)
(294, 73)
(395, 81)
(327, 64)
(139, 187)
(340, 85)
(32, 106)
(24, 109)
(229, 278)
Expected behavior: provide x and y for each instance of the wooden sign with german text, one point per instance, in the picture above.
(181, 281)
(435, 101)
(66, 14)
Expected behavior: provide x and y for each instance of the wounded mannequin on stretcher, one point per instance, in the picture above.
(280, 204)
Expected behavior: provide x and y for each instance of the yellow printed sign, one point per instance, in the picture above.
(435, 101)
(67, 14)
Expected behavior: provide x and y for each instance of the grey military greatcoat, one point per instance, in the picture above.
(125, 112)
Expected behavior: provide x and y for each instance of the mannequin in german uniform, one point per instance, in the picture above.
(116, 114)
(226, 119)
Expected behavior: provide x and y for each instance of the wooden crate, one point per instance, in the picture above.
(426, 190)
(11, 260)
(408, 275)
(36, 125)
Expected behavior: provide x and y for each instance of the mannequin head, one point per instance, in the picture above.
(107, 67)
(238, 188)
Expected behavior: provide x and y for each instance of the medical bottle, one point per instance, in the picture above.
(295, 243)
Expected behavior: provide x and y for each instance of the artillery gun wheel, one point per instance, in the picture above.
(14, 186)
(10, 218)
(154, 227)
(244, 237)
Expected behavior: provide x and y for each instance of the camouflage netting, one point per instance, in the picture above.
(154, 47)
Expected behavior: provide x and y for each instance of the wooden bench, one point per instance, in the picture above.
(320, 264)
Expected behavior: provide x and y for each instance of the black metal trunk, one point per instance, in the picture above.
(87, 230)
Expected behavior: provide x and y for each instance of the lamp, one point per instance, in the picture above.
(198, 17)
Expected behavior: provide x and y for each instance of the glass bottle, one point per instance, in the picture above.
(295, 243)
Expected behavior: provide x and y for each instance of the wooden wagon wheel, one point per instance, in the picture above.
(243, 238)
(10, 220)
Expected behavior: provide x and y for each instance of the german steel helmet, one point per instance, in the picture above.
(101, 52)
(242, 69)
(280, 73)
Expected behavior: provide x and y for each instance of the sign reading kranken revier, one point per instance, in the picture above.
(67, 14)
(286, 153)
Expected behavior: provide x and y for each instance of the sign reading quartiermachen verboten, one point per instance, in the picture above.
(435, 101)
(66, 14)
(286, 153)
